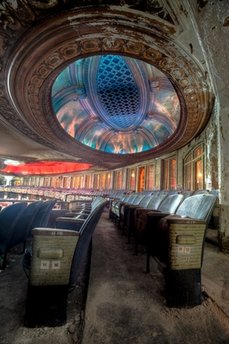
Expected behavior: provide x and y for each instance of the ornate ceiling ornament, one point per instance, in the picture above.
(115, 104)
(49, 47)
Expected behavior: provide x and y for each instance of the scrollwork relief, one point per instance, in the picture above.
(19, 13)
(15, 15)
(44, 5)
(191, 92)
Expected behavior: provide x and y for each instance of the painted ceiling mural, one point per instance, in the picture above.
(116, 104)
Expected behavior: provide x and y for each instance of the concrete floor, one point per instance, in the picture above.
(124, 304)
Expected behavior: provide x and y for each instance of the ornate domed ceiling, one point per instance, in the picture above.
(104, 85)
(115, 104)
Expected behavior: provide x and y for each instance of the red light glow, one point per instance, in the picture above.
(45, 168)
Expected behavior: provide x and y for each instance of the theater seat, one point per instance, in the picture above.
(23, 224)
(146, 221)
(192, 209)
(8, 219)
(177, 241)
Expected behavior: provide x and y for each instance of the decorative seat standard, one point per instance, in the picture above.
(58, 262)
(178, 242)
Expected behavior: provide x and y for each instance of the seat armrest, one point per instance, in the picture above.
(86, 211)
(52, 254)
(69, 223)
(184, 220)
(156, 213)
(70, 219)
(75, 214)
(186, 237)
(146, 210)
(70, 214)
(80, 207)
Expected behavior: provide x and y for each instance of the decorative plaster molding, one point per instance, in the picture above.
(49, 47)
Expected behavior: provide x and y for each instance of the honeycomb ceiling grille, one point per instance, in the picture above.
(117, 112)
(117, 92)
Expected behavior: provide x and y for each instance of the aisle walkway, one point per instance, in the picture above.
(126, 305)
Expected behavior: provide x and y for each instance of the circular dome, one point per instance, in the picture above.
(62, 114)
(116, 104)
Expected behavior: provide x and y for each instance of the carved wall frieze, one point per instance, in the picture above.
(15, 15)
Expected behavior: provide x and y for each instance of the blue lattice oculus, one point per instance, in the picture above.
(115, 104)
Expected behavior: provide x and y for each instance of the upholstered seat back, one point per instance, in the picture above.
(145, 201)
(156, 200)
(198, 206)
(171, 203)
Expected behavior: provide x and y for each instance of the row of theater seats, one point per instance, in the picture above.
(64, 194)
(154, 200)
(172, 227)
(17, 221)
(57, 232)
(58, 262)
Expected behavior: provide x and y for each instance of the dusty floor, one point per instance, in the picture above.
(13, 291)
(124, 304)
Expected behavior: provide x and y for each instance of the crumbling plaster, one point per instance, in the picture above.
(210, 20)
